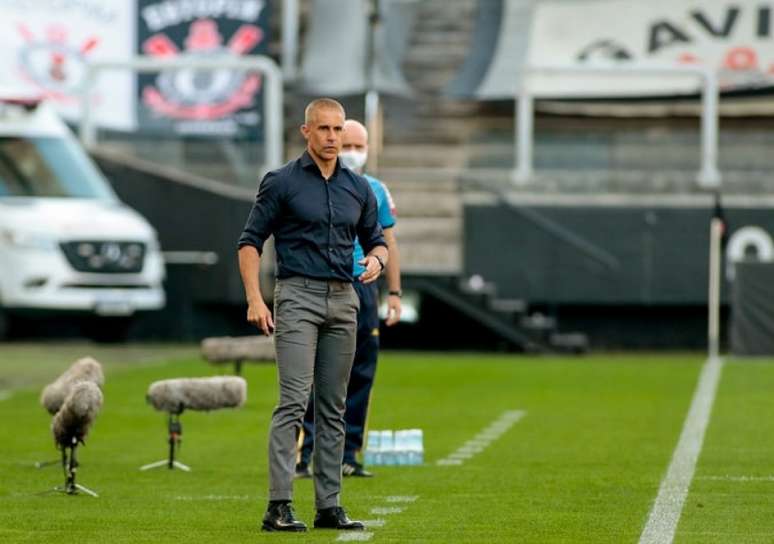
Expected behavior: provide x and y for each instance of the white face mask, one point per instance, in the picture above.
(354, 160)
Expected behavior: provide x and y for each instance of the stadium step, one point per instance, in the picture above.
(573, 342)
(508, 318)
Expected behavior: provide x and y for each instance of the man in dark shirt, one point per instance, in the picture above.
(315, 209)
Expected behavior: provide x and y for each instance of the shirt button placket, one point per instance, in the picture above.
(330, 222)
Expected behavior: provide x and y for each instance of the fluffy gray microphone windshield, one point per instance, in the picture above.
(78, 412)
(174, 396)
(82, 370)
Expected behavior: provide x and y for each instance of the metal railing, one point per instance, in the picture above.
(272, 92)
(709, 175)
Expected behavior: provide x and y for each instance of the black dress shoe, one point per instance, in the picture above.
(280, 517)
(302, 471)
(336, 518)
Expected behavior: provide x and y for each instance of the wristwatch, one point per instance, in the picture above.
(397, 293)
(379, 260)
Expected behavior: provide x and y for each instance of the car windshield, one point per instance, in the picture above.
(49, 167)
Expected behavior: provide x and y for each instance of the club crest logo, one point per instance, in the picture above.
(53, 64)
(202, 94)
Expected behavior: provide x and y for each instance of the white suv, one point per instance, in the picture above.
(66, 241)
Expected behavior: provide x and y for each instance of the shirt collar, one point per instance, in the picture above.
(307, 162)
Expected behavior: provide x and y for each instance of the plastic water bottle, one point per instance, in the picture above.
(387, 448)
(416, 449)
(372, 455)
(402, 439)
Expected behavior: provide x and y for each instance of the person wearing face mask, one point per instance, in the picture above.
(353, 155)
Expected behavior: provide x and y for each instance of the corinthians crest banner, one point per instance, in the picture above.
(47, 43)
(734, 37)
(196, 102)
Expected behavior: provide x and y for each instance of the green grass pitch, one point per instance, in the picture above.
(583, 465)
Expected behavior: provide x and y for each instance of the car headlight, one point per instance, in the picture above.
(27, 240)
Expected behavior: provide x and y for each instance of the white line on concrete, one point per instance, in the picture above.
(386, 510)
(355, 537)
(483, 439)
(665, 515)
(738, 478)
(402, 498)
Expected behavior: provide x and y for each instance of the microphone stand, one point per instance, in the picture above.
(175, 429)
(70, 466)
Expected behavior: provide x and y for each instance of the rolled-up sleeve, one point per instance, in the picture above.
(262, 219)
(369, 231)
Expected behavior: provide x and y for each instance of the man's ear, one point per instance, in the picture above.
(304, 131)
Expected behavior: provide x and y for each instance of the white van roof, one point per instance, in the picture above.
(23, 114)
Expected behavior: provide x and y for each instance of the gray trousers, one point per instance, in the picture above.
(314, 336)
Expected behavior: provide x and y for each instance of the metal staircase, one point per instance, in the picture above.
(510, 319)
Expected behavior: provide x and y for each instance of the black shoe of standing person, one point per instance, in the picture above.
(280, 517)
(302, 471)
(336, 518)
(355, 469)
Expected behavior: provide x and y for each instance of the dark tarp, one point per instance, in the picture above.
(752, 309)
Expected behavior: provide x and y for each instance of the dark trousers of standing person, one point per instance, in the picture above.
(314, 339)
(361, 379)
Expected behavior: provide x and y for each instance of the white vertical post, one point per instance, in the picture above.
(88, 131)
(709, 175)
(524, 134)
(713, 299)
(290, 15)
(374, 127)
(273, 134)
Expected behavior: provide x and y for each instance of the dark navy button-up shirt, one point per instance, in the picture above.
(314, 222)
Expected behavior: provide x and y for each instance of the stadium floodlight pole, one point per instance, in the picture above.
(290, 16)
(709, 174)
(272, 96)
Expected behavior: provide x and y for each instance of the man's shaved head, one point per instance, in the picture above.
(355, 129)
(321, 104)
(355, 136)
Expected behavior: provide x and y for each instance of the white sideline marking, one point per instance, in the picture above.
(5, 394)
(483, 439)
(213, 498)
(374, 523)
(385, 510)
(662, 521)
(461, 455)
(403, 498)
(359, 536)
(738, 478)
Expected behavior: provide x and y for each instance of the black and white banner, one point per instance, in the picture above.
(189, 102)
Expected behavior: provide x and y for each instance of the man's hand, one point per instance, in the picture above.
(259, 315)
(373, 269)
(393, 310)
